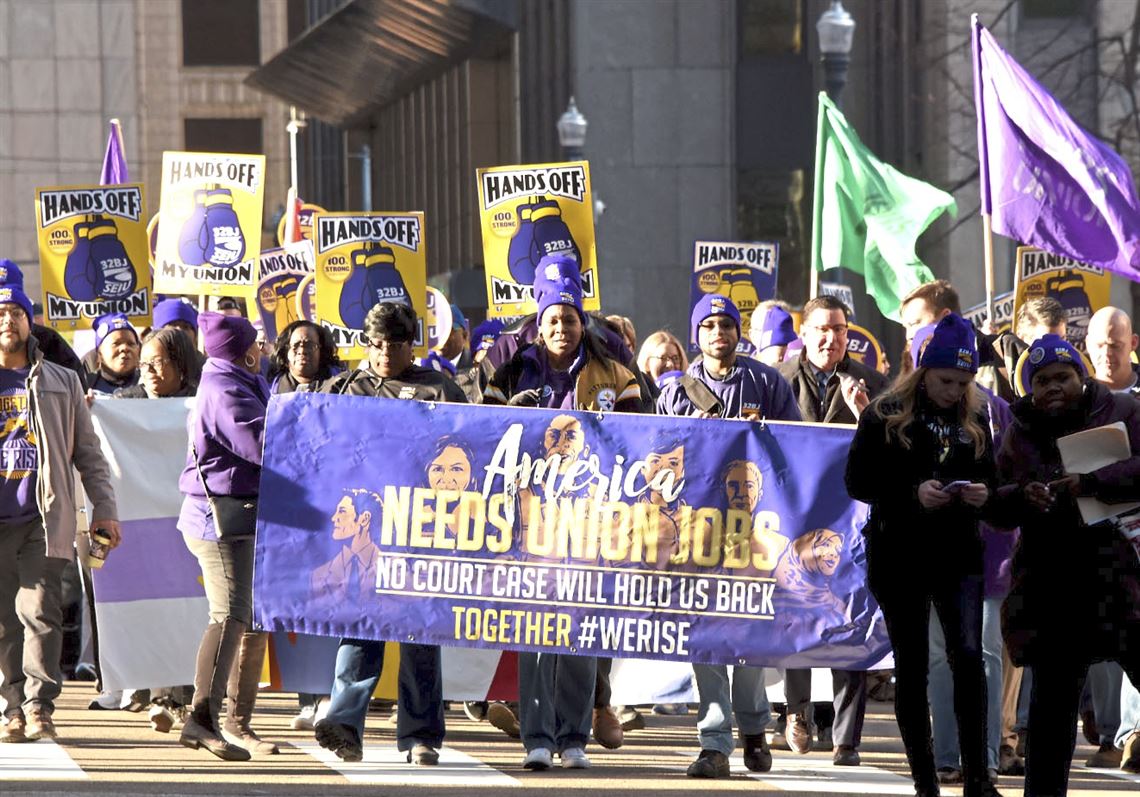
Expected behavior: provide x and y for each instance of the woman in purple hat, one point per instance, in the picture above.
(922, 457)
(1075, 594)
(226, 435)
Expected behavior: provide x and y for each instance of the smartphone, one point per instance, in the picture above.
(954, 487)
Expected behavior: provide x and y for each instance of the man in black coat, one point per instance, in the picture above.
(830, 387)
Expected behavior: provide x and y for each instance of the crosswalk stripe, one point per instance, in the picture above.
(388, 766)
(1116, 773)
(802, 774)
(42, 760)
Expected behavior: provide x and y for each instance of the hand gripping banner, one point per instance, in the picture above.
(605, 535)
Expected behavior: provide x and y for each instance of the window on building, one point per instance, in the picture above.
(770, 27)
(220, 33)
(1053, 9)
(223, 135)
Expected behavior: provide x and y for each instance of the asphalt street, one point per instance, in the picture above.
(116, 753)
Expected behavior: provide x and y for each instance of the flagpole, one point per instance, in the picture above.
(983, 165)
(988, 246)
(817, 203)
(293, 127)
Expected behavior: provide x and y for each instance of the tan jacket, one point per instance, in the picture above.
(65, 439)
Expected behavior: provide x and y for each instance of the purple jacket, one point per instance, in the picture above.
(227, 428)
(751, 390)
(524, 332)
(999, 543)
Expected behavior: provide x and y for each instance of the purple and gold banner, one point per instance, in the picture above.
(630, 536)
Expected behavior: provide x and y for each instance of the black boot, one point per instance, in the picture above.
(216, 655)
(245, 677)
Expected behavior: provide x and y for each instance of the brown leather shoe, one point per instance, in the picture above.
(40, 725)
(14, 730)
(1106, 757)
(1130, 756)
(501, 716)
(607, 728)
(798, 734)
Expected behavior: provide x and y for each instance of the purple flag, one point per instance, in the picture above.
(115, 158)
(1045, 180)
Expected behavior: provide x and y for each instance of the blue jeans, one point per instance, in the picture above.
(746, 698)
(1023, 700)
(1104, 684)
(556, 700)
(941, 688)
(1129, 712)
(419, 695)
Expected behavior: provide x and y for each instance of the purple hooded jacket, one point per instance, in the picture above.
(227, 428)
(999, 543)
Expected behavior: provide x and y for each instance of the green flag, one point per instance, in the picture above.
(867, 214)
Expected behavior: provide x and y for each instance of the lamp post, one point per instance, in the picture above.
(836, 31)
(572, 132)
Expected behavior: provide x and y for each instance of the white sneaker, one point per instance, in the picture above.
(538, 759)
(305, 719)
(107, 701)
(575, 758)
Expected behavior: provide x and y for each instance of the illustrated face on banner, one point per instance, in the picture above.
(743, 484)
(744, 272)
(527, 213)
(93, 254)
(1081, 289)
(210, 236)
(564, 437)
(305, 219)
(346, 523)
(669, 460)
(451, 468)
(363, 259)
(280, 274)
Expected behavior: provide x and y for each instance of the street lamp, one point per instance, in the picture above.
(572, 132)
(836, 31)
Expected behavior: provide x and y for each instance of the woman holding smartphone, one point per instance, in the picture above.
(922, 457)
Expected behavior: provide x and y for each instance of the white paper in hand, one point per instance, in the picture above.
(1093, 449)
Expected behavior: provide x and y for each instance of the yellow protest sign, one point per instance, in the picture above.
(210, 236)
(1080, 288)
(979, 314)
(281, 272)
(363, 259)
(527, 213)
(304, 222)
(93, 254)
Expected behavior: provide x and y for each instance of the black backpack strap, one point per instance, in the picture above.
(700, 395)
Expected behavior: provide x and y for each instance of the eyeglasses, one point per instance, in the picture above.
(381, 345)
(155, 365)
(665, 358)
(12, 314)
(836, 329)
(304, 345)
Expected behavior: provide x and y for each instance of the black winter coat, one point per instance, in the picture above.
(904, 539)
(1076, 588)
